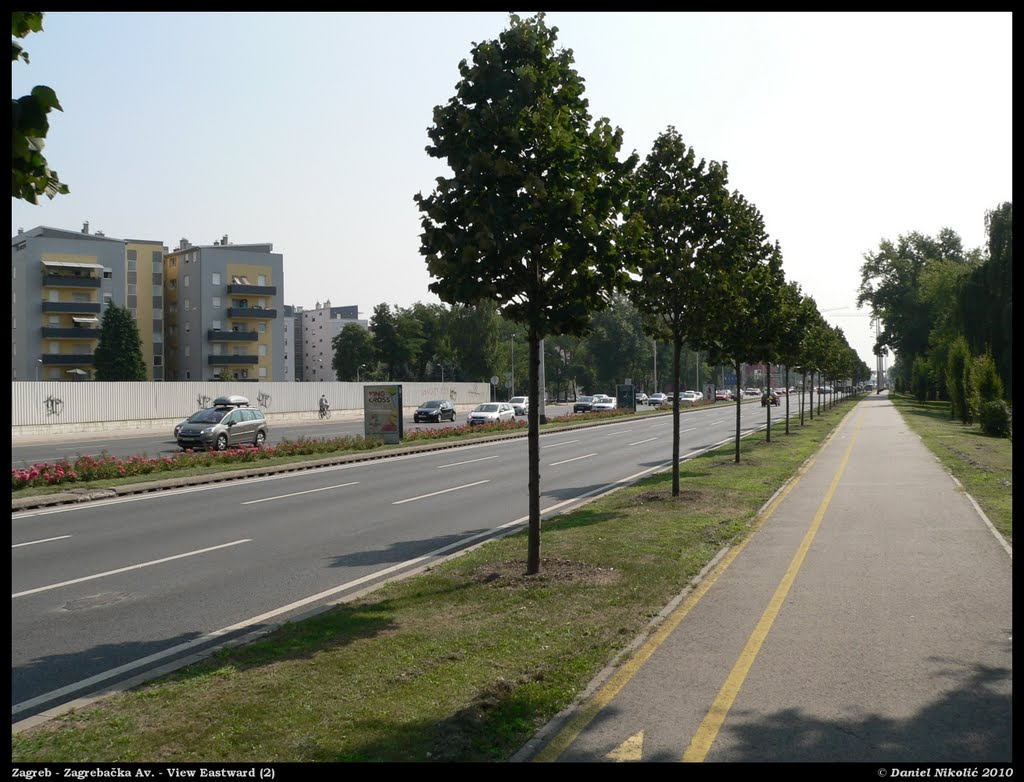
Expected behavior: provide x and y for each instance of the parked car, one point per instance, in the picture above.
(723, 395)
(656, 399)
(491, 413)
(582, 404)
(769, 398)
(435, 410)
(604, 403)
(689, 397)
(521, 404)
(231, 421)
(640, 398)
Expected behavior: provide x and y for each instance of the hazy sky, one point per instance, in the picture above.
(307, 130)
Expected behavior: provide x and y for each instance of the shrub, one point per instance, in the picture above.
(986, 379)
(996, 419)
(959, 381)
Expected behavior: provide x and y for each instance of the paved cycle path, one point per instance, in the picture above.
(868, 618)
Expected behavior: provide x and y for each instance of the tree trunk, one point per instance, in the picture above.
(677, 347)
(738, 403)
(787, 398)
(768, 407)
(532, 416)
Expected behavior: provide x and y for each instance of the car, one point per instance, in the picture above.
(230, 422)
(491, 413)
(521, 404)
(604, 403)
(435, 410)
(640, 398)
(689, 397)
(769, 398)
(782, 391)
(723, 395)
(582, 404)
(654, 400)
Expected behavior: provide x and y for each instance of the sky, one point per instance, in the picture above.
(308, 130)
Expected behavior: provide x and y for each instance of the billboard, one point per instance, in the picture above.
(382, 412)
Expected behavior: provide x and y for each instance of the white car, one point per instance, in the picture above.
(521, 405)
(690, 397)
(604, 403)
(641, 398)
(491, 413)
(654, 400)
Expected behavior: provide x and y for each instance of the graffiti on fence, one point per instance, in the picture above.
(202, 400)
(263, 399)
(453, 395)
(53, 405)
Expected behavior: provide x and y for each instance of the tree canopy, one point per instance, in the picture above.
(118, 354)
(31, 175)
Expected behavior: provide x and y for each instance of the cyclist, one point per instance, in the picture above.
(325, 406)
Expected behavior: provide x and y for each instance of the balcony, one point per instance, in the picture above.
(228, 361)
(251, 312)
(256, 290)
(70, 281)
(232, 336)
(67, 359)
(83, 307)
(54, 332)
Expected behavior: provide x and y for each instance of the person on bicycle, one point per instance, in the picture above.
(324, 405)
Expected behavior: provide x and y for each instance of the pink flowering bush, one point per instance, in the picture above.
(105, 467)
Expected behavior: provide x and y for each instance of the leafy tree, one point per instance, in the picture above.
(353, 349)
(30, 173)
(988, 385)
(118, 354)
(474, 339)
(959, 380)
(677, 218)
(742, 293)
(397, 337)
(618, 346)
(528, 218)
(795, 313)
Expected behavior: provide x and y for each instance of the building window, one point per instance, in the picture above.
(132, 255)
(261, 327)
(158, 361)
(173, 263)
(216, 302)
(263, 371)
(172, 284)
(188, 351)
(215, 278)
(108, 274)
(261, 279)
(185, 281)
(215, 348)
(263, 350)
(187, 308)
(215, 325)
(188, 375)
(131, 266)
(132, 290)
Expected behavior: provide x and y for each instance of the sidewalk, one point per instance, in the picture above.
(867, 618)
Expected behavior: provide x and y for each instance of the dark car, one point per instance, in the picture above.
(583, 404)
(231, 421)
(436, 410)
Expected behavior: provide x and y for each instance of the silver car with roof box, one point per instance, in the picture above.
(231, 422)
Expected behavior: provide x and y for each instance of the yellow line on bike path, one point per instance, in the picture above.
(706, 734)
(586, 714)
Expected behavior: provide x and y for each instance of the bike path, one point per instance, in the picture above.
(868, 618)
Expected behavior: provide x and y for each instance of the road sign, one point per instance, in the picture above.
(494, 380)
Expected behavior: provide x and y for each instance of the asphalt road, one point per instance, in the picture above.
(114, 589)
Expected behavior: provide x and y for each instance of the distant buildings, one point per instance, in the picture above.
(60, 283)
(203, 312)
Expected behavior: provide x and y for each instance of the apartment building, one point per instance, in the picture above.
(61, 282)
(222, 306)
(320, 326)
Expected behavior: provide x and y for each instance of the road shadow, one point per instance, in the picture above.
(405, 550)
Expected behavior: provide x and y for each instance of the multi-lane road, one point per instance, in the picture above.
(110, 591)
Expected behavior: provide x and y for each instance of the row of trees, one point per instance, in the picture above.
(543, 220)
(944, 308)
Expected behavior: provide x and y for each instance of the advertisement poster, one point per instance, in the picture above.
(382, 409)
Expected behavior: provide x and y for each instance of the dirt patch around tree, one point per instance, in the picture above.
(512, 575)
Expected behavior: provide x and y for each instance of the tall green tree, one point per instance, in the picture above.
(353, 349)
(742, 294)
(677, 218)
(528, 218)
(118, 354)
(31, 175)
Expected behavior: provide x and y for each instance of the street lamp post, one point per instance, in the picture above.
(39, 363)
(358, 369)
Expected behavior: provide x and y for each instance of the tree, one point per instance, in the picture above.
(353, 349)
(676, 221)
(118, 353)
(528, 218)
(30, 173)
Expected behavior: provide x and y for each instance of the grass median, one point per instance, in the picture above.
(983, 464)
(463, 662)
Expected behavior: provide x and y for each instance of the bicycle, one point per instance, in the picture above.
(325, 412)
